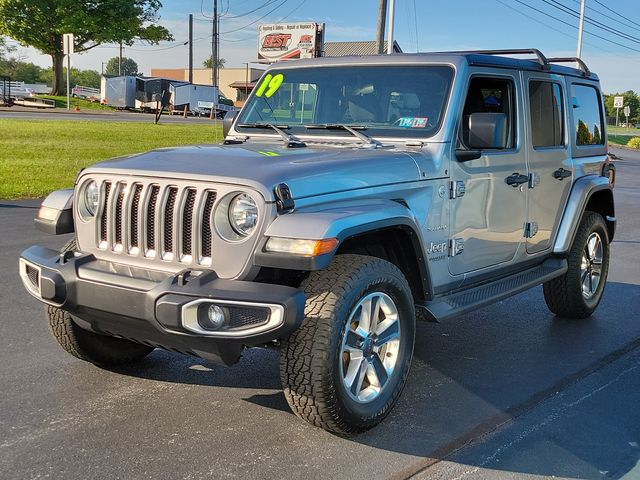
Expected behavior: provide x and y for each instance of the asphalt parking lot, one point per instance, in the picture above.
(504, 392)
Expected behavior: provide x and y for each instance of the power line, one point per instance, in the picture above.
(265, 4)
(616, 13)
(595, 23)
(245, 39)
(625, 22)
(257, 20)
(573, 26)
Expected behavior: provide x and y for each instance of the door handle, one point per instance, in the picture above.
(561, 174)
(515, 179)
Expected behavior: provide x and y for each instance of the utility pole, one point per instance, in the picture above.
(382, 17)
(392, 8)
(190, 48)
(214, 46)
(580, 28)
(120, 61)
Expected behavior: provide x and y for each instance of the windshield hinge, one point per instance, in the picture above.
(284, 200)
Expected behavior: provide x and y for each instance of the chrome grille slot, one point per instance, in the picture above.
(156, 220)
(168, 225)
(151, 220)
(187, 222)
(206, 225)
(133, 222)
(119, 219)
(103, 217)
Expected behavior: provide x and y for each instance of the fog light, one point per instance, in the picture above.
(214, 319)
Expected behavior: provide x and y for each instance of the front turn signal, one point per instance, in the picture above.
(303, 247)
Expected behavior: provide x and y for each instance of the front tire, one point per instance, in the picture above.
(578, 292)
(100, 350)
(346, 366)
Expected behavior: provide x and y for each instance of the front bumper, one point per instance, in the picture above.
(152, 307)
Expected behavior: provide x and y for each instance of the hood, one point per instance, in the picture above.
(307, 171)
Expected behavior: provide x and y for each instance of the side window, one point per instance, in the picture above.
(587, 115)
(490, 95)
(545, 107)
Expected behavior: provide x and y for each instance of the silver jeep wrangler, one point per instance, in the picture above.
(351, 197)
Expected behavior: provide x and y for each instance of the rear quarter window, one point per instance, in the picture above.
(587, 115)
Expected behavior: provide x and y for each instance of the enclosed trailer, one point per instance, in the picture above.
(150, 91)
(120, 92)
(191, 96)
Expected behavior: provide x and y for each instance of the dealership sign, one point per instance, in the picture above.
(289, 41)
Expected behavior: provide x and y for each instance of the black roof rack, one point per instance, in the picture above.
(583, 66)
(542, 60)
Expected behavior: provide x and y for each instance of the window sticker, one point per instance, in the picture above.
(270, 85)
(413, 122)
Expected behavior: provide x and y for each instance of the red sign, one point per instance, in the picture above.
(276, 41)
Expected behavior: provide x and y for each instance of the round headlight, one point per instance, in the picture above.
(243, 214)
(91, 197)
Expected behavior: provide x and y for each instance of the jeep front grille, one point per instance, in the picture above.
(156, 221)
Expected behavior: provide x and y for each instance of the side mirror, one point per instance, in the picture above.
(487, 131)
(227, 122)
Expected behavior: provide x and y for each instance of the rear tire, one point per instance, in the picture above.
(98, 349)
(578, 292)
(340, 371)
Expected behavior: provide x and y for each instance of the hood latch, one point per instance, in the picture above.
(284, 200)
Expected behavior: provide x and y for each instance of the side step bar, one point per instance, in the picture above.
(447, 306)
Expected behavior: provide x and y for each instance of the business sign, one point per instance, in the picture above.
(289, 41)
(618, 102)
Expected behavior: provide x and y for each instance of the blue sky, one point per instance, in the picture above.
(420, 25)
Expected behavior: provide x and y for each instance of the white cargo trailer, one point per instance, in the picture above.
(189, 95)
(120, 92)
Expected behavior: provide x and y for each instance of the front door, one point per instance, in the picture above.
(487, 221)
(548, 158)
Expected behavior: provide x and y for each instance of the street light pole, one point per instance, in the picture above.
(392, 8)
(580, 28)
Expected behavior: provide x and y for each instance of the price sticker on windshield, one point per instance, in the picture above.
(270, 85)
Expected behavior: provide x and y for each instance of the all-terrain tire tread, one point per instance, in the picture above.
(304, 360)
(560, 294)
(89, 346)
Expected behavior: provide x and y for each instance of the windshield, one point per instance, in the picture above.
(395, 101)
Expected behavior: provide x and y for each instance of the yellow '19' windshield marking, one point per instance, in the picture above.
(270, 85)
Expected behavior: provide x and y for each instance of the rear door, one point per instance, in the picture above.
(550, 166)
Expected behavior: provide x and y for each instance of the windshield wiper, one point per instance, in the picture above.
(291, 140)
(349, 128)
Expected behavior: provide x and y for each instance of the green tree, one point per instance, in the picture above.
(129, 67)
(41, 24)
(208, 63)
(86, 78)
(584, 135)
(597, 138)
(630, 98)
